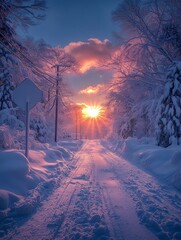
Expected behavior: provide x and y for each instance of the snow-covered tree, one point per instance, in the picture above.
(15, 13)
(6, 83)
(38, 124)
(151, 42)
(169, 119)
(12, 14)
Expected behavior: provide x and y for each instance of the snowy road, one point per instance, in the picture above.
(104, 197)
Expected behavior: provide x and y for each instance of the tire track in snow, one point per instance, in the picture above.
(86, 219)
(119, 207)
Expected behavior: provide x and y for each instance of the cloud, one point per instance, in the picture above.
(92, 90)
(90, 54)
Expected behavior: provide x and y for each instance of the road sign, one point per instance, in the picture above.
(27, 91)
(26, 96)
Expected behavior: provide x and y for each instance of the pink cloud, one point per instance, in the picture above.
(92, 90)
(90, 54)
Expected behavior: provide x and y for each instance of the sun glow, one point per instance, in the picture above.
(92, 121)
(91, 111)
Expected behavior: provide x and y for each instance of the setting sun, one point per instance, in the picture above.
(91, 111)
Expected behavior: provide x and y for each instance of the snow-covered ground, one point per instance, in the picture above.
(156, 191)
(103, 196)
(24, 182)
(163, 163)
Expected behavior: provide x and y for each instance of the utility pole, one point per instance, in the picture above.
(58, 79)
(76, 124)
(80, 126)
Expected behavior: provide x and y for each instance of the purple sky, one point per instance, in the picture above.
(83, 27)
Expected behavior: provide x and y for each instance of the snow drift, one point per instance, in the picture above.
(164, 163)
(24, 181)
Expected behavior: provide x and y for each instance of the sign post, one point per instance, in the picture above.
(58, 80)
(26, 96)
(27, 128)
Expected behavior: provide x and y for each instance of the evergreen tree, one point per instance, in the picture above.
(6, 83)
(169, 119)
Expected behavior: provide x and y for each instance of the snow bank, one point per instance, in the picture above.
(14, 171)
(164, 163)
(23, 182)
